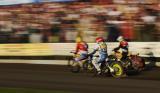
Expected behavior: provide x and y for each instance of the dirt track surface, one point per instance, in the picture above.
(53, 77)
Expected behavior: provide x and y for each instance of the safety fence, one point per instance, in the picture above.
(145, 49)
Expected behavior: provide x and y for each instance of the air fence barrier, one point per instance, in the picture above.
(61, 51)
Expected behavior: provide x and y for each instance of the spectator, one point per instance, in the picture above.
(127, 30)
(149, 28)
(36, 37)
(113, 30)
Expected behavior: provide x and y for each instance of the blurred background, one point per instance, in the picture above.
(54, 21)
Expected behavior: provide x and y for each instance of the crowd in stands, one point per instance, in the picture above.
(64, 22)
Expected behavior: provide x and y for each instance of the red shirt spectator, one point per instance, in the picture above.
(127, 31)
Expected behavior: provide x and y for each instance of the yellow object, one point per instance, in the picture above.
(120, 71)
(38, 49)
(78, 39)
(118, 55)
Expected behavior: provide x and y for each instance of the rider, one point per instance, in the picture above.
(123, 47)
(81, 50)
(101, 46)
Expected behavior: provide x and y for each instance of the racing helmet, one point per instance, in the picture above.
(78, 39)
(99, 39)
(123, 43)
(120, 38)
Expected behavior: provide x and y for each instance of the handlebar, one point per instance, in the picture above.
(115, 51)
(74, 52)
(90, 55)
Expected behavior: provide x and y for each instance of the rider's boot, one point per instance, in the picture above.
(97, 67)
(124, 75)
(98, 72)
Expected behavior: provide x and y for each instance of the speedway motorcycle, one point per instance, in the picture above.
(111, 67)
(133, 62)
(85, 64)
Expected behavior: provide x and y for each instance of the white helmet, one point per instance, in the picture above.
(120, 38)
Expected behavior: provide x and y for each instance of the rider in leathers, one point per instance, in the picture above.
(101, 46)
(123, 48)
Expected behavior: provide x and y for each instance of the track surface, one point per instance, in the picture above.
(53, 77)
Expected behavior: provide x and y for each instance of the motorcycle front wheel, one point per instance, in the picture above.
(118, 70)
(75, 68)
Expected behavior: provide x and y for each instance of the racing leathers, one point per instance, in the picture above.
(123, 49)
(81, 50)
(101, 47)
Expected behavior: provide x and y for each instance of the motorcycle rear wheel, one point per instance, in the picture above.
(88, 66)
